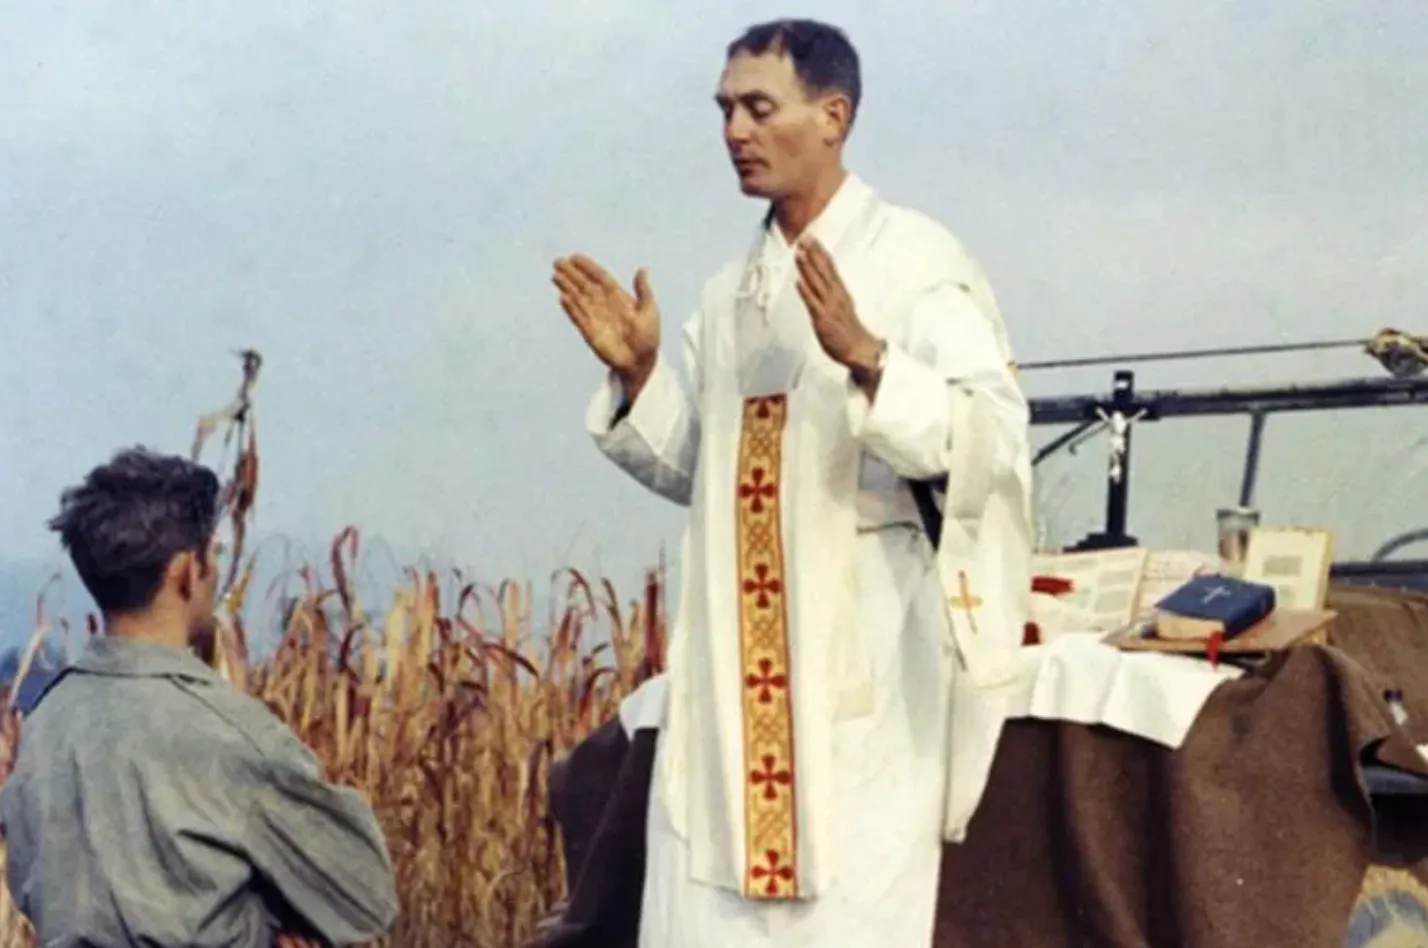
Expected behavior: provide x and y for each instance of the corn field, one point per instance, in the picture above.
(444, 705)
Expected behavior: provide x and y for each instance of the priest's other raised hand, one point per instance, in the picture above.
(621, 329)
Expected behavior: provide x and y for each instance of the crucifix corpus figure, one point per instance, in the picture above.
(833, 701)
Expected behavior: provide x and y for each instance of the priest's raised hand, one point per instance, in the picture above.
(835, 319)
(620, 328)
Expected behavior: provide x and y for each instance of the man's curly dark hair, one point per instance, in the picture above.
(126, 522)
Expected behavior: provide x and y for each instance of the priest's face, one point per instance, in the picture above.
(780, 139)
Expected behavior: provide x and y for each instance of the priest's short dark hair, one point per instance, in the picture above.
(823, 57)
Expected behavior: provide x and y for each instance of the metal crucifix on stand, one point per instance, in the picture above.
(1117, 414)
(1123, 408)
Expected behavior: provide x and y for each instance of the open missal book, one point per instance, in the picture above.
(1120, 594)
(1168, 570)
(1105, 584)
(1111, 589)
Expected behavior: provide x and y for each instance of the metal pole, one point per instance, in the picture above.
(1251, 472)
(1175, 403)
(1062, 440)
(1181, 355)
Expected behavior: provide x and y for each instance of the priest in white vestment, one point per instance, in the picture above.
(827, 670)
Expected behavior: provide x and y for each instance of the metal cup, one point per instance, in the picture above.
(1234, 525)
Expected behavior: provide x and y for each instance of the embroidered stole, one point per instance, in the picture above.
(770, 793)
(777, 353)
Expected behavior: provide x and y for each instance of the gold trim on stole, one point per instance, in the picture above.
(770, 811)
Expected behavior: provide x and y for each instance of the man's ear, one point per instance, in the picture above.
(208, 558)
(836, 118)
(183, 575)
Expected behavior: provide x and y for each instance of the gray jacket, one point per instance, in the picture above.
(153, 804)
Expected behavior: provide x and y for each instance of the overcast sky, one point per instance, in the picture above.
(372, 194)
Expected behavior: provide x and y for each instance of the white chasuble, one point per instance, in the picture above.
(817, 692)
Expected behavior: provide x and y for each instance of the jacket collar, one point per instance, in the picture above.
(118, 656)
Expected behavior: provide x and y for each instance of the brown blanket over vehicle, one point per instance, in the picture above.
(1257, 831)
(1386, 632)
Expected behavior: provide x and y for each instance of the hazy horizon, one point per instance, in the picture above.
(372, 198)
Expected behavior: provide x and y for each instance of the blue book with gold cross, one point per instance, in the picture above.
(1208, 606)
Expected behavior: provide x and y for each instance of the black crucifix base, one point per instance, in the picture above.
(1104, 541)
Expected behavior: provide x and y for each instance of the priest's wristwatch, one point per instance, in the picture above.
(870, 376)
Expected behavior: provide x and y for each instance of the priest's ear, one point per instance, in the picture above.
(835, 117)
